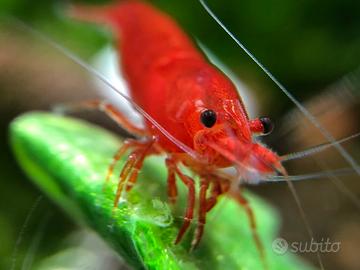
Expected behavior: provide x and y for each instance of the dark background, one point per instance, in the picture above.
(308, 45)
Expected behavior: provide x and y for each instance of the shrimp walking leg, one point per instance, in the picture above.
(215, 192)
(105, 107)
(219, 186)
(123, 176)
(204, 185)
(189, 214)
(171, 182)
(127, 144)
(136, 158)
(137, 166)
(242, 200)
(131, 167)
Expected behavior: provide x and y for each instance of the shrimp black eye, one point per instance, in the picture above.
(268, 126)
(208, 118)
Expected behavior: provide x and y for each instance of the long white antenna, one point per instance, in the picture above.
(308, 176)
(307, 114)
(315, 149)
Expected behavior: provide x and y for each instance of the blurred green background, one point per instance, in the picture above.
(308, 45)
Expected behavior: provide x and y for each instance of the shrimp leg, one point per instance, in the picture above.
(171, 181)
(136, 158)
(132, 167)
(219, 186)
(127, 144)
(189, 214)
(105, 107)
(204, 185)
(138, 165)
(243, 201)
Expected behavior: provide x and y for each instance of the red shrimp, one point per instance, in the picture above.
(193, 101)
(193, 114)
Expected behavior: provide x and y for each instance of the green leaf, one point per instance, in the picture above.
(68, 159)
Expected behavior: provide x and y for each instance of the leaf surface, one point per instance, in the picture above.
(68, 159)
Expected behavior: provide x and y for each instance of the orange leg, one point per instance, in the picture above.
(127, 144)
(136, 158)
(131, 168)
(215, 192)
(105, 107)
(201, 214)
(124, 175)
(219, 186)
(137, 166)
(189, 214)
(242, 200)
(171, 181)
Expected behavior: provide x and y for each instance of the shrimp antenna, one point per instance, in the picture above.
(331, 174)
(301, 177)
(302, 213)
(316, 149)
(340, 185)
(306, 112)
(107, 82)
